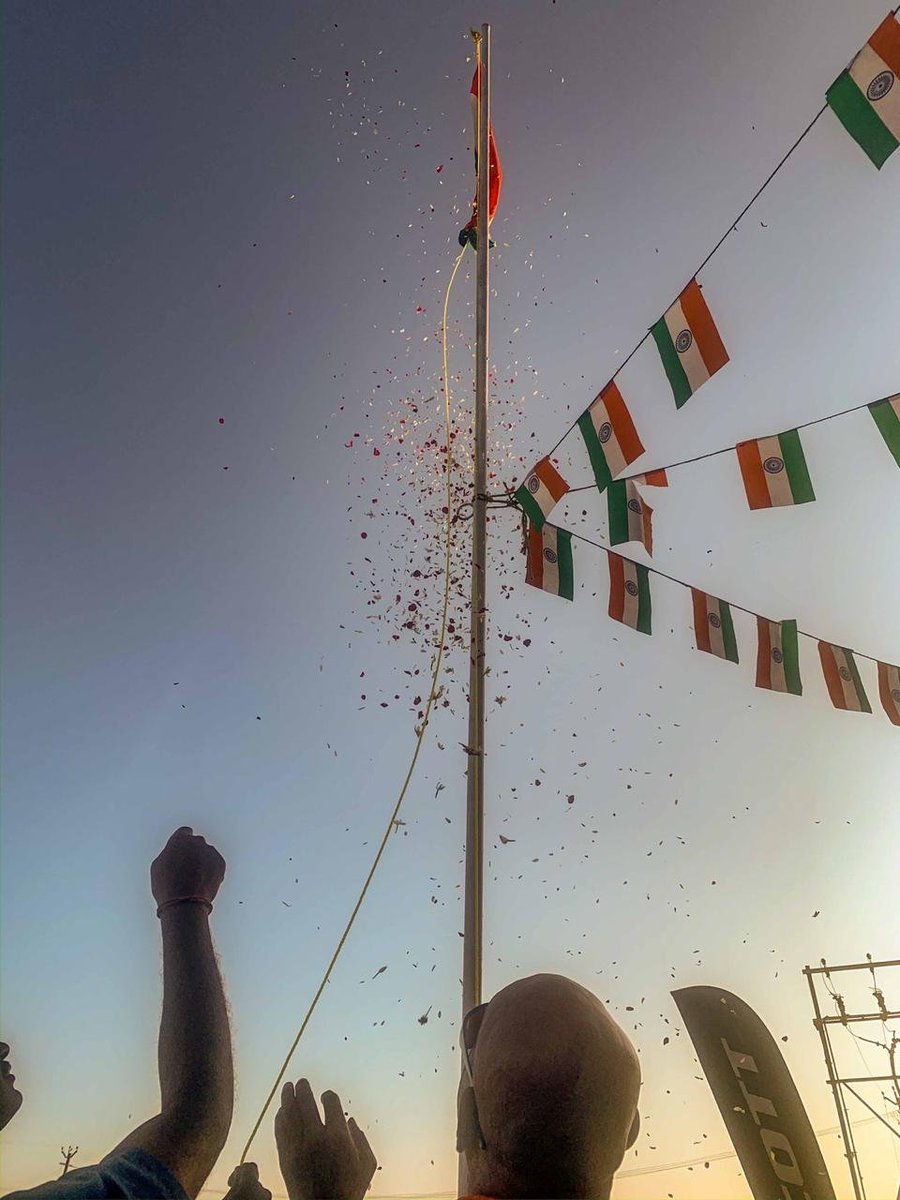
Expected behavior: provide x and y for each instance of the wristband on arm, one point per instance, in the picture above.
(184, 900)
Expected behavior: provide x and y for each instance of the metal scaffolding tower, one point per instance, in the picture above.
(841, 1085)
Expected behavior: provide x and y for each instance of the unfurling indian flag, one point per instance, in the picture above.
(842, 678)
(774, 470)
(630, 517)
(778, 658)
(469, 233)
(550, 560)
(689, 343)
(886, 414)
(866, 97)
(889, 690)
(713, 627)
(610, 436)
(629, 593)
(542, 489)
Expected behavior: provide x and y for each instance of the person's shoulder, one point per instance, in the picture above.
(123, 1175)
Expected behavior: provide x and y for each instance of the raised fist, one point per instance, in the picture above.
(186, 866)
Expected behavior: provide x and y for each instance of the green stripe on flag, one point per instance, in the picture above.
(791, 652)
(860, 120)
(729, 641)
(857, 682)
(602, 473)
(644, 608)
(669, 355)
(530, 506)
(564, 564)
(798, 475)
(617, 503)
(888, 424)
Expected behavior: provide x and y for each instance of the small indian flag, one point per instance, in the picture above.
(541, 491)
(842, 678)
(889, 690)
(778, 658)
(629, 593)
(689, 343)
(609, 434)
(866, 97)
(713, 627)
(774, 470)
(886, 414)
(550, 560)
(630, 517)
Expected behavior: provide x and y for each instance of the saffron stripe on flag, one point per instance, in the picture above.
(886, 415)
(703, 327)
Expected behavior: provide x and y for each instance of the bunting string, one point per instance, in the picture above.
(731, 229)
(885, 140)
(683, 462)
(672, 579)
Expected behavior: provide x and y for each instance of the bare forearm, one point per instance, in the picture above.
(195, 1068)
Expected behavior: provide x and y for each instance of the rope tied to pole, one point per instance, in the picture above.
(420, 729)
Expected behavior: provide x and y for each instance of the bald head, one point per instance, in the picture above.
(556, 1088)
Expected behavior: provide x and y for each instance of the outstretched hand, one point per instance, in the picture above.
(186, 866)
(330, 1160)
(243, 1184)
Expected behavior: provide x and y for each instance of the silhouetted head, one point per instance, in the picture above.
(10, 1097)
(554, 1093)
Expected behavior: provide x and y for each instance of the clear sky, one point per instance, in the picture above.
(248, 212)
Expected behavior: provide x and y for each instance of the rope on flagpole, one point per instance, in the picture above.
(420, 731)
(727, 449)
(608, 550)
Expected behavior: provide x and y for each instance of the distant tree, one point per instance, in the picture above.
(68, 1155)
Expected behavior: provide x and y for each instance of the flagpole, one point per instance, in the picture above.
(474, 880)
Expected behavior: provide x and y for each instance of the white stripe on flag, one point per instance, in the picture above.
(851, 697)
(631, 602)
(690, 359)
(551, 569)
(779, 683)
(866, 67)
(615, 459)
(542, 496)
(716, 636)
(776, 481)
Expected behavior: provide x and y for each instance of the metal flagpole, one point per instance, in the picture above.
(472, 929)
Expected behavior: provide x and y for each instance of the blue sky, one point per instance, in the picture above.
(236, 212)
